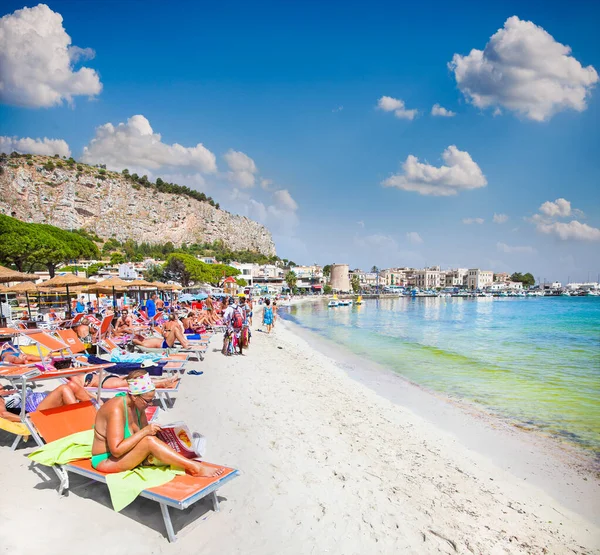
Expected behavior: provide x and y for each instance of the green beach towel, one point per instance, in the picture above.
(124, 487)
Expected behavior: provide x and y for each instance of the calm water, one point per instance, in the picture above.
(533, 360)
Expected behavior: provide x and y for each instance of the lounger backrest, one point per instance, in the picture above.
(56, 423)
(105, 325)
(47, 341)
(109, 344)
(69, 337)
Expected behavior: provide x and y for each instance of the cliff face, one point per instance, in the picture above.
(112, 206)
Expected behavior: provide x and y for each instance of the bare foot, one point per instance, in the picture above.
(201, 470)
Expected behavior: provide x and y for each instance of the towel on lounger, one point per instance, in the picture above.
(124, 487)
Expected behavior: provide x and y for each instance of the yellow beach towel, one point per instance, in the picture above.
(17, 428)
(124, 487)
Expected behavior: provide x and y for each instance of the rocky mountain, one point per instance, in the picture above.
(72, 196)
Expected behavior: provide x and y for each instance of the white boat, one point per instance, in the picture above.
(333, 304)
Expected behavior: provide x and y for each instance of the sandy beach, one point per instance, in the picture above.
(329, 465)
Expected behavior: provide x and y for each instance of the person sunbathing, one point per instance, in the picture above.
(66, 394)
(10, 354)
(123, 439)
(112, 381)
(124, 324)
(173, 331)
(83, 329)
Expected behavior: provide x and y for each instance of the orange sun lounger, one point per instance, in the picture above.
(180, 493)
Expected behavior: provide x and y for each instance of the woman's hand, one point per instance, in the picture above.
(152, 429)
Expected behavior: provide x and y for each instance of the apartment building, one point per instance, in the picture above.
(457, 277)
(479, 279)
(430, 278)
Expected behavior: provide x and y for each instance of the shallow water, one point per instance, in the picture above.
(533, 360)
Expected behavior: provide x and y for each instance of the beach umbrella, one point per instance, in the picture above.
(139, 283)
(66, 281)
(7, 275)
(109, 285)
(24, 287)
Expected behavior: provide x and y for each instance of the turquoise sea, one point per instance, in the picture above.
(535, 361)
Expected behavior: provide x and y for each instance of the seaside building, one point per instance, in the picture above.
(246, 271)
(268, 276)
(340, 277)
(394, 276)
(430, 278)
(479, 279)
(309, 277)
(457, 277)
(502, 277)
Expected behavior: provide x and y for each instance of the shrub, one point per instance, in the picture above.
(49, 166)
(79, 168)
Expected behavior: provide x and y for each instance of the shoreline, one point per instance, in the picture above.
(327, 466)
(522, 452)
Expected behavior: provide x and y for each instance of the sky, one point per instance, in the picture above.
(389, 134)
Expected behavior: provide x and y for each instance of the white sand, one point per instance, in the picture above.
(329, 466)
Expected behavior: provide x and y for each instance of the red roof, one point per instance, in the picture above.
(230, 280)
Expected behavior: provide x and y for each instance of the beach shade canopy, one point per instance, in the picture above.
(7, 275)
(108, 284)
(161, 286)
(66, 280)
(140, 283)
(23, 287)
(3, 288)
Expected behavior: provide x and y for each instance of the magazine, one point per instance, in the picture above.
(179, 438)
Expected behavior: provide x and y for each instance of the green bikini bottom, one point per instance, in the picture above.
(97, 459)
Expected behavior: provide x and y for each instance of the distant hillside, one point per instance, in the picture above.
(71, 195)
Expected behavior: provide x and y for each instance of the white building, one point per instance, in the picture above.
(246, 271)
(457, 277)
(127, 271)
(430, 278)
(479, 279)
(309, 277)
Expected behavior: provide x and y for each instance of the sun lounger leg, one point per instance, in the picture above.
(34, 433)
(63, 476)
(15, 443)
(215, 502)
(169, 401)
(163, 404)
(168, 524)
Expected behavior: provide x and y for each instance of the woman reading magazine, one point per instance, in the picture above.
(123, 439)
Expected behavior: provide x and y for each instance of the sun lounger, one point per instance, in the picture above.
(70, 338)
(180, 493)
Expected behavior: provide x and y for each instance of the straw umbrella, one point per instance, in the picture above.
(111, 284)
(66, 281)
(139, 283)
(25, 287)
(7, 275)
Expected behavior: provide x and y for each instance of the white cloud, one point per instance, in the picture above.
(414, 238)
(437, 110)
(134, 145)
(284, 200)
(549, 212)
(26, 145)
(459, 173)
(389, 104)
(36, 61)
(470, 221)
(559, 208)
(523, 69)
(572, 230)
(503, 247)
(361, 223)
(265, 184)
(338, 109)
(385, 251)
(500, 218)
(243, 169)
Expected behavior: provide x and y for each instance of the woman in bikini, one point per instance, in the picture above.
(123, 439)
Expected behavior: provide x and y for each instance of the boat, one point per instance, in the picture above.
(332, 304)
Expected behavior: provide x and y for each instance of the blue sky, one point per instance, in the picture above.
(293, 92)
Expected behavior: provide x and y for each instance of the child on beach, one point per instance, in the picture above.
(268, 315)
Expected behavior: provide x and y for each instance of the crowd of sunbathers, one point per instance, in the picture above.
(123, 438)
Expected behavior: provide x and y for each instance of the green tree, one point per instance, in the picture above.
(290, 279)
(327, 270)
(327, 290)
(374, 269)
(526, 279)
(117, 258)
(355, 282)
(241, 282)
(93, 269)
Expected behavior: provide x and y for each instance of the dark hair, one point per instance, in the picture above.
(267, 302)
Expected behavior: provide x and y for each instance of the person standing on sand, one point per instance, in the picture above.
(227, 320)
(274, 312)
(268, 315)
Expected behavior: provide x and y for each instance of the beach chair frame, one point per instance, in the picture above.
(85, 417)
